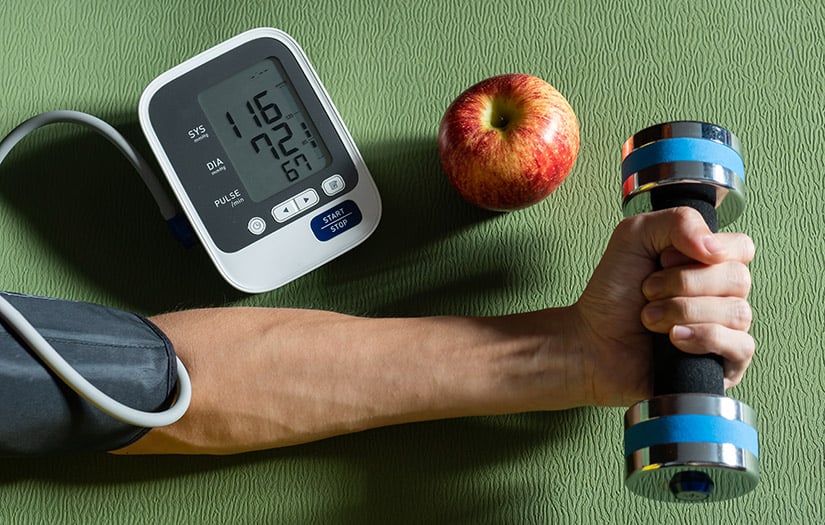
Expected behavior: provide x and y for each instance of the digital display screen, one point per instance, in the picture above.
(264, 128)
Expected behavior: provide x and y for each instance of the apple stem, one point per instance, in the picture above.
(503, 112)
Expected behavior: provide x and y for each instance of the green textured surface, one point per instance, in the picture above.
(76, 223)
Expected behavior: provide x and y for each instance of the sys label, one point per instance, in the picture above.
(335, 220)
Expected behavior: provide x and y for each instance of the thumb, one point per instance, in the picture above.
(684, 230)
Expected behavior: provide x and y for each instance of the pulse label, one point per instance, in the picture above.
(232, 198)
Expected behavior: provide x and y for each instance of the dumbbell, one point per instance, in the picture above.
(690, 442)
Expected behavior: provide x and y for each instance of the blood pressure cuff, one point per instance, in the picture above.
(121, 353)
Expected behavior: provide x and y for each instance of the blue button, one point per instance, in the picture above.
(336, 220)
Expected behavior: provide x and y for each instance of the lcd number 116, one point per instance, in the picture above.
(275, 139)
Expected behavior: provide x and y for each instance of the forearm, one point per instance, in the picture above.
(265, 378)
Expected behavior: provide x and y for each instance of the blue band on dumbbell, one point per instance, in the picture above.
(691, 428)
(683, 150)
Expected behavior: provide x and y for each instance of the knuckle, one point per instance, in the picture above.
(684, 213)
(747, 280)
(733, 374)
(629, 226)
(715, 336)
(748, 348)
(743, 314)
(749, 248)
(687, 310)
(686, 282)
(734, 380)
(742, 280)
(692, 283)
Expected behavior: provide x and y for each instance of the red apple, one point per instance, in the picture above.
(507, 142)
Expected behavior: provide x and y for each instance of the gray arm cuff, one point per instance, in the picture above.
(121, 353)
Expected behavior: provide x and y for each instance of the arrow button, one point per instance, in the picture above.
(284, 211)
(307, 199)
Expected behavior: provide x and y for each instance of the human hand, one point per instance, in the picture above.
(663, 272)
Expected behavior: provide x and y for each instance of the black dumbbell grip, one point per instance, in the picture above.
(676, 372)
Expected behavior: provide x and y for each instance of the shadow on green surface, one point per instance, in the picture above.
(442, 472)
(429, 472)
(87, 204)
(454, 472)
(89, 208)
(433, 253)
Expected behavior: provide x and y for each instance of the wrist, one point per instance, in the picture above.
(542, 365)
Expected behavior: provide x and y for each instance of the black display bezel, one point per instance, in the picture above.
(174, 112)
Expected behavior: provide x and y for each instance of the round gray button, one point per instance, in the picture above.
(256, 225)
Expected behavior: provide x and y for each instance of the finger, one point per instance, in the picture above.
(671, 257)
(731, 312)
(685, 230)
(738, 247)
(728, 279)
(734, 346)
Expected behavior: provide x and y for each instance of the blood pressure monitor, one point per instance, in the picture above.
(260, 160)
